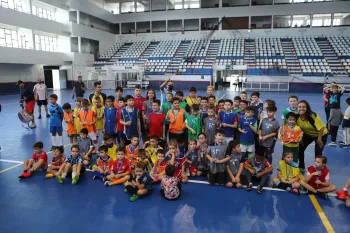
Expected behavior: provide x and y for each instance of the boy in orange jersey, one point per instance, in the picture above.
(121, 170)
(176, 118)
(69, 119)
(104, 164)
(56, 162)
(158, 170)
(87, 119)
(132, 151)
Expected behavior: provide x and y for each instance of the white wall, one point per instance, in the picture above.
(24, 72)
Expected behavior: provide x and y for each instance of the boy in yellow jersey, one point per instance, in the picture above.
(109, 141)
(151, 148)
(99, 112)
(192, 98)
(76, 113)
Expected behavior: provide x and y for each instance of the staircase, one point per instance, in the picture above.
(330, 56)
(178, 56)
(147, 53)
(249, 52)
(121, 51)
(291, 57)
(212, 53)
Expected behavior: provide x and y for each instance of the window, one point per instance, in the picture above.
(258, 22)
(159, 26)
(127, 7)
(9, 38)
(235, 23)
(174, 4)
(12, 4)
(231, 3)
(321, 20)
(191, 24)
(43, 13)
(282, 21)
(45, 43)
(283, 2)
(143, 27)
(301, 1)
(128, 28)
(175, 25)
(261, 2)
(341, 19)
(209, 3)
(210, 24)
(158, 5)
(143, 6)
(191, 4)
(300, 21)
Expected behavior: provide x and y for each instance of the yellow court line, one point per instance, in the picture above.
(321, 214)
(9, 168)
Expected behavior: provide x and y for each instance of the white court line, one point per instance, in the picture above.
(10, 161)
(222, 96)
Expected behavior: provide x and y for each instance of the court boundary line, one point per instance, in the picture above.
(326, 223)
(10, 168)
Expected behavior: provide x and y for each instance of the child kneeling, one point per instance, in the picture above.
(288, 174)
(141, 183)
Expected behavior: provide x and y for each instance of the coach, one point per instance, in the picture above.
(79, 87)
(40, 94)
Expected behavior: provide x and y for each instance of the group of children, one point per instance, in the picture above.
(230, 142)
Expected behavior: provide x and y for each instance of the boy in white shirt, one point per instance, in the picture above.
(40, 93)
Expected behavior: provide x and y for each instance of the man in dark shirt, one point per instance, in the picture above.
(27, 100)
(79, 88)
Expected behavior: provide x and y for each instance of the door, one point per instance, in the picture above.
(48, 78)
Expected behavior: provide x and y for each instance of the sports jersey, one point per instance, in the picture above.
(112, 152)
(105, 163)
(71, 130)
(147, 163)
(159, 168)
(84, 145)
(101, 96)
(190, 101)
(288, 171)
(193, 157)
(285, 112)
(258, 107)
(56, 113)
(121, 166)
(228, 118)
(132, 116)
(40, 91)
(170, 187)
(57, 160)
(237, 110)
(156, 121)
(195, 123)
(248, 138)
(311, 130)
(209, 128)
(74, 160)
(203, 113)
(152, 152)
(217, 151)
(234, 162)
(258, 166)
(179, 160)
(179, 117)
(37, 157)
(110, 117)
(322, 177)
(138, 103)
(76, 120)
(88, 117)
(290, 135)
(132, 153)
(120, 126)
(145, 180)
(268, 127)
(166, 106)
(147, 106)
(333, 97)
(98, 112)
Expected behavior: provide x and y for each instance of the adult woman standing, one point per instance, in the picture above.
(314, 131)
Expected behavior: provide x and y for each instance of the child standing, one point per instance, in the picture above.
(56, 116)
(156, 119)
(118, 94)
(259, 168)
(183, 104)
(293, 103)
(176, 118)
(56, 162)
(210, 124)
(191, 99)
(141, 183)
(121, 170)
(248, 127)
(73, 164)
(268, 132)
(228, 120)
(220, 107)
(130, 119)
(77, 109)
(193, 122)
(170, 185)
(335, 119)
(288, 174)
(103, 164)
(99, 113)
(85, 146)
(236, 102)
(69, 119)
(317, 178)
(38, 161)
(166, 106)
(235, 166)
(242, 106)
(257, 104)
(158, 170)
(217, 159)
(110, 117)
(210, 91)
(204, 107)
(87, 119)
(211, 102)
(346, 125)
(291, 135)
(132, 151)
(121, 138)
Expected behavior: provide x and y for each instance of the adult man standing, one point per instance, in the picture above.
(79, 87)
(40, 94)
(97, 94)
(27, 100)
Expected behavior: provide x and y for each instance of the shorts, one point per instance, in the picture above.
(73, 135)
(219, 177)
(228, 139)
(30, 106)
(247, 148)
(41, 102)
(92, 136)
(193, 169)
(121, 136)
(242, 178)
(99, 133)
(56, 129)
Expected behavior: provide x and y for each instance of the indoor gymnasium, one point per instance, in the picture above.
(174, 116)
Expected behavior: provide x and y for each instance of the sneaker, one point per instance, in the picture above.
(345, 146)
(249, 187)
(342, 195)
(75, 179)
(332, 144)
(60, 179)
(322, 195)
(259, 189)
(341, 142)
(125, 190)
(53, 148)
(295, 191)
(39, 117)
(32, 126)
(134, 197)
(49, 175)
(23, 175)
(104, 179)
(27, 174)
(108, 184)
(47, 115)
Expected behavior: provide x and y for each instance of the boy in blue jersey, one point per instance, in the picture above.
(56, 117)
(248, 127)
(228, 120)
(110, 117)
(257, 104)
(130, 119)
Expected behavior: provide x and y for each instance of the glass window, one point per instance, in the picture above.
(261, 2)
(302, 1)
(174, 4)
(209, 3)
(128, 28)
(191, 24)
(2, 33)
(158, 5)
(143, 6)
(235, 23)
(283, 1)
(159, 26)
(40, 12)
(340, 19)
(175, 25)
(34, 10)
(191, 4)
(321, 20)
(282, 21)
(232, 3)
(127, 7)
(209, 24)
(45, 43)
(258, 22)
(301, 21)
(143, 27)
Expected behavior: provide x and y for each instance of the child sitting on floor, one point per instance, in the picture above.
(202, 154)
(170, 185)
(191, 158)
(103, 164)
(343, 194)
(141, 183)
(288, 174)
(158, 170)
(38, 161)
(142, 158)
(121, 170)
(176, 158)
(152, 147)
(56, 162)
(85, 146)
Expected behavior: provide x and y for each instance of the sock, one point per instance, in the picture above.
(60, 139)
(53, 140)
(74, 174)
(345, 189)
(288, 188)
(64, 175)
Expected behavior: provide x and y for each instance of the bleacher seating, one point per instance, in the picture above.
(307, 56)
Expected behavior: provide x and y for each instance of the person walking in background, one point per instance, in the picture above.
(79, 88)
(40, 94)
(27, 100)
(335, 119)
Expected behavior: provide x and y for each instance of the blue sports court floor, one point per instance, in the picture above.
(45, 206)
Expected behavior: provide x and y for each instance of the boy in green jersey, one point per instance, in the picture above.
(194, 123)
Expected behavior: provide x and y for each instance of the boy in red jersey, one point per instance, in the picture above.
(120, 127)
(56, 162)
(317, 178)
(38, 161)
(156, 121)
(176, 158)
(121, 170)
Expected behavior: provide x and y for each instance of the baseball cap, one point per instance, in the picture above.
(19, 82)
